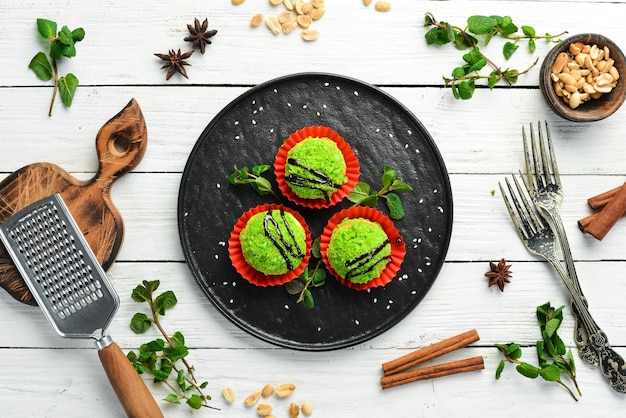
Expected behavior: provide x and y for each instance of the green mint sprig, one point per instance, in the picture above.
(308, 279)
(392, 185)
(555, 360)
(161, 356)
(253, 177)
(61, 44)
(463, 79)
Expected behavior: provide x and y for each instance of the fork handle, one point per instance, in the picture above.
(612, 364)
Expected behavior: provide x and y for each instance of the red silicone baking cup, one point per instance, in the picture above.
(245, 270)
(398, 248)
(352, 166)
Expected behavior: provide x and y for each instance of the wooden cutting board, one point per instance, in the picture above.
(120, 144)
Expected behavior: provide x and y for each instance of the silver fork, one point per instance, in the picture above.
(539, 239)
(544, 184)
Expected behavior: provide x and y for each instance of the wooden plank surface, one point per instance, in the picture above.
(44, 375)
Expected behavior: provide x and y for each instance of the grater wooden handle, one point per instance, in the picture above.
(128, 385)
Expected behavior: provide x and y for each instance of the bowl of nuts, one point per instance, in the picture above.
(580, 78)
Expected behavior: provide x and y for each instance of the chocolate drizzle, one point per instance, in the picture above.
(272, 231)
(317, 182)
(360, 263)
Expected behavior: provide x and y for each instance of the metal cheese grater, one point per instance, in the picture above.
(59, 268)
(70, 286)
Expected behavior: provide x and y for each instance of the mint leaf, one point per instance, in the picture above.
(140, 323)
(41, 66)
(47, 28)
(165, 301)
(481, 25)
(67, 88)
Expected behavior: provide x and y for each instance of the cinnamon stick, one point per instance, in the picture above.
(599, 223)
(428, 353)
(598, 201)
(439, 370)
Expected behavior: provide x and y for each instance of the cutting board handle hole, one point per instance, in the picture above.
(120, 145)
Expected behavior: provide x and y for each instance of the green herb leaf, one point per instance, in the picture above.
(500, 369)
(178, 339)
(528, 31)
(172, 398)
(67, 88)
(41, 66)
(195, 401)
(315, 248)
(551, 373)
(47, 28)
(140, 323)
(389, 176)
(141, 294)
(294, 287)
(308, 299)
(78, 34)
(257, 170)
(466, 89)
(396, 210)
(508, 49)
(528, 370)
(359, 192)
(551, 326)
(165, 301)
(481, 25)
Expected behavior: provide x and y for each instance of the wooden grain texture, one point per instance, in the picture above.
(135, 397)
(120, 145)
(480, 140)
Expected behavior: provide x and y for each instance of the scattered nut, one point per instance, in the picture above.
(252, 398)
(275, 2)
(237, 2)
(317, 3)
(267, 391)
(382, 6)
(229, 395)
(264, 409)
(294, 410)
(310, 35)
(304, 21)
(273, 25)
(285, 389)
(367, 2)
(307, 409)
(316, 14)
(256, 20)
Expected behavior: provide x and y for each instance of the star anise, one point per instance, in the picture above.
(199, 36)
(175, 61)
(499, 274)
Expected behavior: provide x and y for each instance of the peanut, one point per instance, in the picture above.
(382, 6)
(237, 2)
(264, 409)
(307, 409)
(310, 35)
(273, 25)
(267, 391)
(229, 395)
(294, 410)
(252, 398)
(256, 20)
(285, 389)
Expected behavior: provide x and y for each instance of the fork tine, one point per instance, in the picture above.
(518, 227)
(531, 212)
(530, 179)
(541, 176)
(552, 158)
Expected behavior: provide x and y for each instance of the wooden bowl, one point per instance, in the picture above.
(593, 109)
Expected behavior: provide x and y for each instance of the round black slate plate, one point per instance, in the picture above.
(248, 132)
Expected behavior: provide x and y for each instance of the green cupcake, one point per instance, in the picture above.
(315, 168)
(273, 242)
(359, 250)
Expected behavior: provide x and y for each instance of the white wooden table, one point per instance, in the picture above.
(480, 140)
